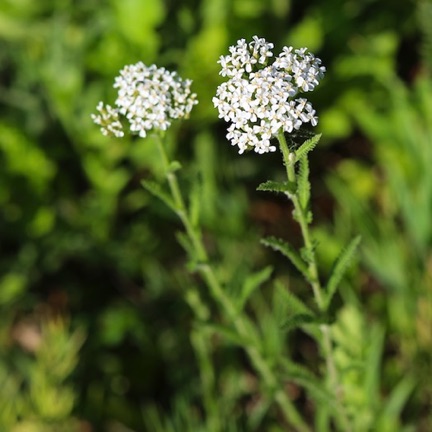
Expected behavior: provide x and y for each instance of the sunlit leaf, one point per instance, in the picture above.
(307, 146)
(273, 186)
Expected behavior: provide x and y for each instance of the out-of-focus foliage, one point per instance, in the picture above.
(391, 207)
(80, 237)
(36, 394)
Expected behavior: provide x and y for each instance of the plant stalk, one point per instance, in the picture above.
(326, 342)
(288, 409)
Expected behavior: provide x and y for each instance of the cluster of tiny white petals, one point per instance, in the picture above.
(108, 120)
(261, 99)
(244, 56)
(149, 98)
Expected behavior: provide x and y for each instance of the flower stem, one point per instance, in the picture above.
(326, 341)
(289, 161)
(193, 234)
(241, 324)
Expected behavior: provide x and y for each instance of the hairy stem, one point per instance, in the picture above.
(326, 341)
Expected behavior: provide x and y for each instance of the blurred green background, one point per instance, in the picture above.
(94, 328)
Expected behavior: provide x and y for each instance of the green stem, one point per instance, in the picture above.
(241, 325)
(201, 345)
(326, 342)
(289, 162)
(181, 211)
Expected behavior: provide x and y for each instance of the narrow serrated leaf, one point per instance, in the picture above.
(296, 321)
(279, 187)
(288, 251)
(252, 282)
(285, 303)
(303, 184)
(297, 305)
(155, 189)
(340, 267)
(307, 146)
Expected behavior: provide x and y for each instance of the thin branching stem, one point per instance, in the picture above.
(241, 325)
(326, 341)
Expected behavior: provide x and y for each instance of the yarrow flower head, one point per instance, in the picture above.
(149, 98)
(261, 99)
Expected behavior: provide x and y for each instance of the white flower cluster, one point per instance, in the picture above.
(149, 98)
(108, 120)
(260, 99)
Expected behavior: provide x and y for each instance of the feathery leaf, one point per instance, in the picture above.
(273, 186)
(287, 250)
(307, 146)
(303, 184)
(340, 267)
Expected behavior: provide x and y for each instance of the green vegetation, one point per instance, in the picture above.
(106, 319)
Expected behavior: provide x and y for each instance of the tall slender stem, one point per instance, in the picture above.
(181, 211)
(326, 342)
(289, 162)
(241, 325)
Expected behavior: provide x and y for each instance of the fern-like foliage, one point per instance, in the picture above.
(340, 267)
(303, 184)
(307, 146)
(287, 250)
